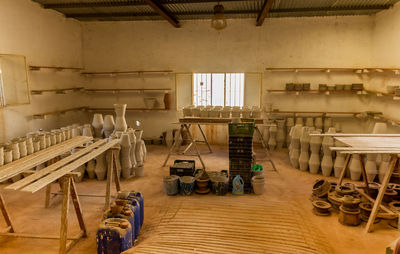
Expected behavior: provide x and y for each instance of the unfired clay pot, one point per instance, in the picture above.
(289, 125)
(126, 163)
(280, 134)
(91, 166)
(315, 147)
(101, 167)
(318, 123)
(327, 162)
(139, 153)
(339, 161)
(355, 168)
(272, 137)
(97, 124)
(120, 122)
(108, 126)
(304, 149)
(309, 122)
(132, 138)
(23, 151)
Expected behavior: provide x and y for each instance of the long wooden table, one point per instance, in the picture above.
(358, 144)
(187, 122)
(61, 170)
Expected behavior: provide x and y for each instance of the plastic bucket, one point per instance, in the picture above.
(258, 184)
(171, 186)
(220, 185)
(187, 185)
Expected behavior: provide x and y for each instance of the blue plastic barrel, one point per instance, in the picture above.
(186, 185)
(171, 185)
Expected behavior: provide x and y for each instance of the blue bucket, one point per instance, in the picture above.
(171, 186)
(187, 185)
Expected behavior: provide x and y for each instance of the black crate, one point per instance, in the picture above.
(241, 140)
(183, 168)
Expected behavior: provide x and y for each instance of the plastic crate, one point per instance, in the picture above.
(241, 129)
(183, 168)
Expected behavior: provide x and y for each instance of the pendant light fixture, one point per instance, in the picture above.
(218, 21)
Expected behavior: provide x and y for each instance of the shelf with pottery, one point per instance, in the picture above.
(127, 90)
(128, 109)
(322, 112)
(43, 115)
(314, 91)
(115, 73)
(359, 70)
(57, 91)
(57, 68)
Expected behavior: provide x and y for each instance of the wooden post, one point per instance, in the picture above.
(77, 206)
(65, 183)
(364, 173)
(345, 167)
(204, 137)
(381, 193)
(110, 169)
(116, 171)
(6, 215)
(195, 146)
(48, 196)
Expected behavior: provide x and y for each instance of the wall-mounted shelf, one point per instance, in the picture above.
(57, 91)
(326, 92)
(128, 90)
(57, 68)
(115, 73)
(323, 112)
(358, 70)
(128, 109)
(43, 115)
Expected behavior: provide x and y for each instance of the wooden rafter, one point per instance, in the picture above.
(163, 12)
(264, 11)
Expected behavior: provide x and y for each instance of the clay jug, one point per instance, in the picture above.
(280, 134)
(120, 122)
(355, 168)
(97, 124)
(167, 100)
(101, 167)
(272, 137)
(126, 163)
(108, 126)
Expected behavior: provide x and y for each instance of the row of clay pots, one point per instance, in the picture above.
(104, 127)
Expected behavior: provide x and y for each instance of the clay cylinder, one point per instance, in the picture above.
(23, 151)
(29, 145)
(8, 156)
(15, 151)
(120, 122)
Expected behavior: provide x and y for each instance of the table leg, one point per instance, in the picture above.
(364, 173)
(110, 170)
(194, 145)
(381, 193)
(77, 206)
(173, 146)
(116, 175)
(66, 188)
(205, 138)
(345, 167)
(6, 215)
(48, 196)
(265, 147)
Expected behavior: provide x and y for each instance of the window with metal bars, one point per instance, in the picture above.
(218, 89)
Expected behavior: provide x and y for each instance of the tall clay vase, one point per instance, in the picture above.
(299, 120)
(315, 147)
(126, 163)
(139, 153)
(280, 134)
(91, 166)
(304, 149)
(97, 124)
(383, 168)
(120, 122)
(101, 167)
(327, 162)
(339, 160)
(143, 144)
(289, 125)
(318, 123)
(272, 137)
(23, 151)
(327, 123)
(294, 157)
(132, 138)
(108, 126)
(167, 100)
(355, 168)
(371, 167)
(309, 122)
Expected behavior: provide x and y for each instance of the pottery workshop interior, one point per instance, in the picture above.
(200, 126)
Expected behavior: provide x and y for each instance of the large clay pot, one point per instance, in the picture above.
(272, 137)
(304, 149)
(23, 151)
(108, 126)
(139, 153)
(167, 100)
(126, 163)
(15, 151)
(120, 122)
(280, 134)
(289, 125)
(327, 162)
(101, 167)
(315, 147)
(294, 158)
(370, 167)
(318, 123)
(309, 122)
(132, 138)
(355, 168)
(97, 124)
(91, 166)
(339, 160)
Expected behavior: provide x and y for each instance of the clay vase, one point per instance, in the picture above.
(23, 151)
(339, 160)
(108, 126)
(120, 122)
(143, 144)
(289, 125)
(299, 120)
(139, 153)
(294, 157)
(371, 167)
(132, 138)
(315, 147)
(87, 130)
(90, 168)
(15, 151)
(327, 123)
(126, 163)
(304, 149)
(280, 134)
(309, 122)
(327, 162)
(272, 137)
(355, 168)
(97, 124)
(318, 123)
(101, 167)
(167, 100)
(383, 168)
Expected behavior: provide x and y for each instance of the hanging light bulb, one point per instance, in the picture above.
(218, 21)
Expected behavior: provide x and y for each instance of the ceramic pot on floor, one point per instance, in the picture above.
(318, 123)
(91, 165)
(280, 134)
(126, 163)
(304, 149)
(327, 123)
(355, 168)
(97, 125)
(139, 153)
(101, 167)
(327, 162)
(339, 160)
(289, 125)
(294, 158)
(143, 144)
(309, 122)
(108, 126)
(370, 167)
(383, 168)
(120, 122)
(315, 147)
(132, 138)
(272, 137)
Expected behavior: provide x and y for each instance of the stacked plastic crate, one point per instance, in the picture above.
(240, 152)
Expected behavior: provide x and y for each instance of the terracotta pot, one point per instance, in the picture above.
(120, 122)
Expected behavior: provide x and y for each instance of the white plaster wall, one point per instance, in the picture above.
(45, 37)
(242, 47)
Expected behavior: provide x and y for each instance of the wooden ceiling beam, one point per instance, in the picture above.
(264, 11)
(160, 9)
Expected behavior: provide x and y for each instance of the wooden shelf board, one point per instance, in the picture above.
(125, 72)
(42, 115)
(326, 69)
(128, 109)
(312, 91)
(318, 112)
(37, 68)
(127, 90)
(75, 89)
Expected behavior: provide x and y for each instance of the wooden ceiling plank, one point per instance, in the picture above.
(264, 11)
(163, 12)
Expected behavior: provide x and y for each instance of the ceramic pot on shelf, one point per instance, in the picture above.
(36, 144)
(280, 134)
(15, 151)
(97, 124)
(8, 155)
(120, 122)
(87, 130)
(126, 163)
(23, 151)
(101, 167)
(108, 126)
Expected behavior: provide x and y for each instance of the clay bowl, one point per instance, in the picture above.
(321, 188)
(389, 196)
(350, 203)
(335, 200)
(321, 208)
(121, 202)
(345, 189)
